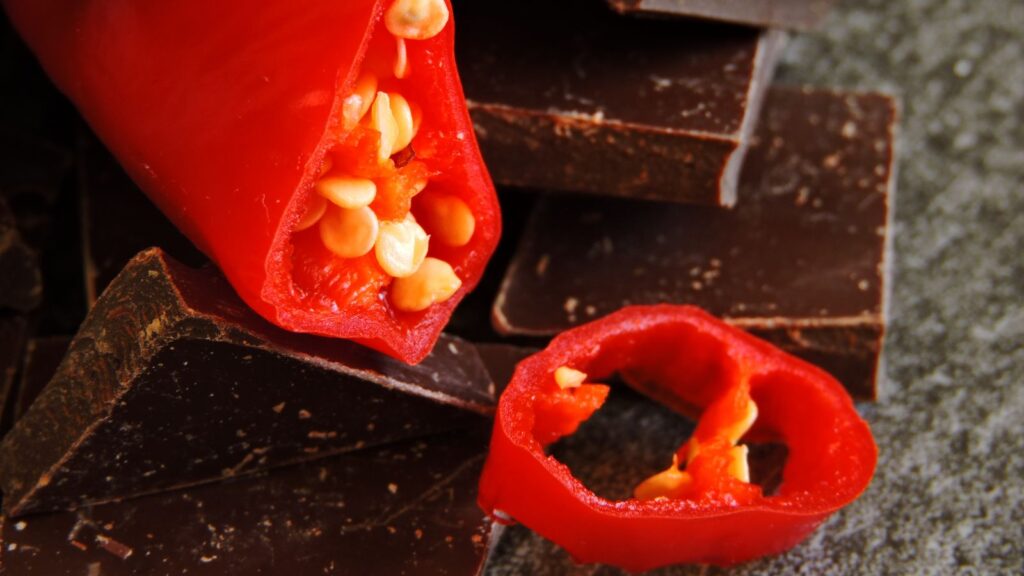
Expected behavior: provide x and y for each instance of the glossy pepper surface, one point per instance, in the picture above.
(702, 508)
(319, 152)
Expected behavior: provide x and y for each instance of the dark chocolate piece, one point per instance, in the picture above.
(801, 261)
(42, 356)
(173, 381)
(21, 284)
(408, 508)
(501, 361)
(569, 96)
(795, 14)
(119, 221)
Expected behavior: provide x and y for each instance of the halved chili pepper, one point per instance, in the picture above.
(320, 152)
(703, 507)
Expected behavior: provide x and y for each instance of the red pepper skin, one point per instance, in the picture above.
(681, 356)
(222, 111)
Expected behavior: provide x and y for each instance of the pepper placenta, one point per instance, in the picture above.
(703, 507)
(319, 152)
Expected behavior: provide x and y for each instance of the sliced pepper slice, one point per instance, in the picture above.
(319, 152)
(702, 508)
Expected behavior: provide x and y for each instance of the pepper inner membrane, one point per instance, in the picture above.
(362, 237)
(713, 464)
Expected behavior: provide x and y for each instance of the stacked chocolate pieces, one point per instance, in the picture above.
(640, 160)
(667, 169)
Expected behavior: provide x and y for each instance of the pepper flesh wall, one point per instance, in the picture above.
(703, 508)
(320, 154)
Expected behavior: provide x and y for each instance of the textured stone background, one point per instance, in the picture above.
(948, 497)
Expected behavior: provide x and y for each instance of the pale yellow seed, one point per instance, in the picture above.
(417, 118)
(402, 113)
(401, 59)
(738, 467)
(358, 103)
(448, 218)
(383, 121)
(416, 19)
(401, 247)
(434, 282)
(567, 377)
(349, 233)
(347, 192)
(316, 208)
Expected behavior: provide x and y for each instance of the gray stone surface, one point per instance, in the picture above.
(948, 497)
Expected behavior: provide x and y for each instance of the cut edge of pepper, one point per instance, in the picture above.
(281, 296)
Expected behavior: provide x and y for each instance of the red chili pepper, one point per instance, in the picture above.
(291, 141)
(703, 507)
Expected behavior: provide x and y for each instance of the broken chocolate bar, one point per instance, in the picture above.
(795, 14)
(119, 221)
(42, 356)
(407, 508)
(569, 96)
(21, 284)
(173, 381)
(801, 261)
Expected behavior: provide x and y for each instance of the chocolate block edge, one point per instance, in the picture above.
(803, 18)
(769, 49)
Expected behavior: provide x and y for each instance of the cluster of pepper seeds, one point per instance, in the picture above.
(716, 439)
(348, 225)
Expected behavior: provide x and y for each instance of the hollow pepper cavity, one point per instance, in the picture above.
(702, 507)
(319, 152)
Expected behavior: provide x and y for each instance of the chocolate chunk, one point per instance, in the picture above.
(42, 356)
(119, 221)
(569, 96)
(173, 381)
(21, 284)
(408, 508)
(796, 14)
(501, 361)
(801, 261)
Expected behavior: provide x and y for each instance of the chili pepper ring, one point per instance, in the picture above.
(703, 508)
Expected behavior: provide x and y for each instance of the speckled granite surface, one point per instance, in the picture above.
(948, 497)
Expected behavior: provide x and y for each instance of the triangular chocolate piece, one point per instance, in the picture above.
(173, 381)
